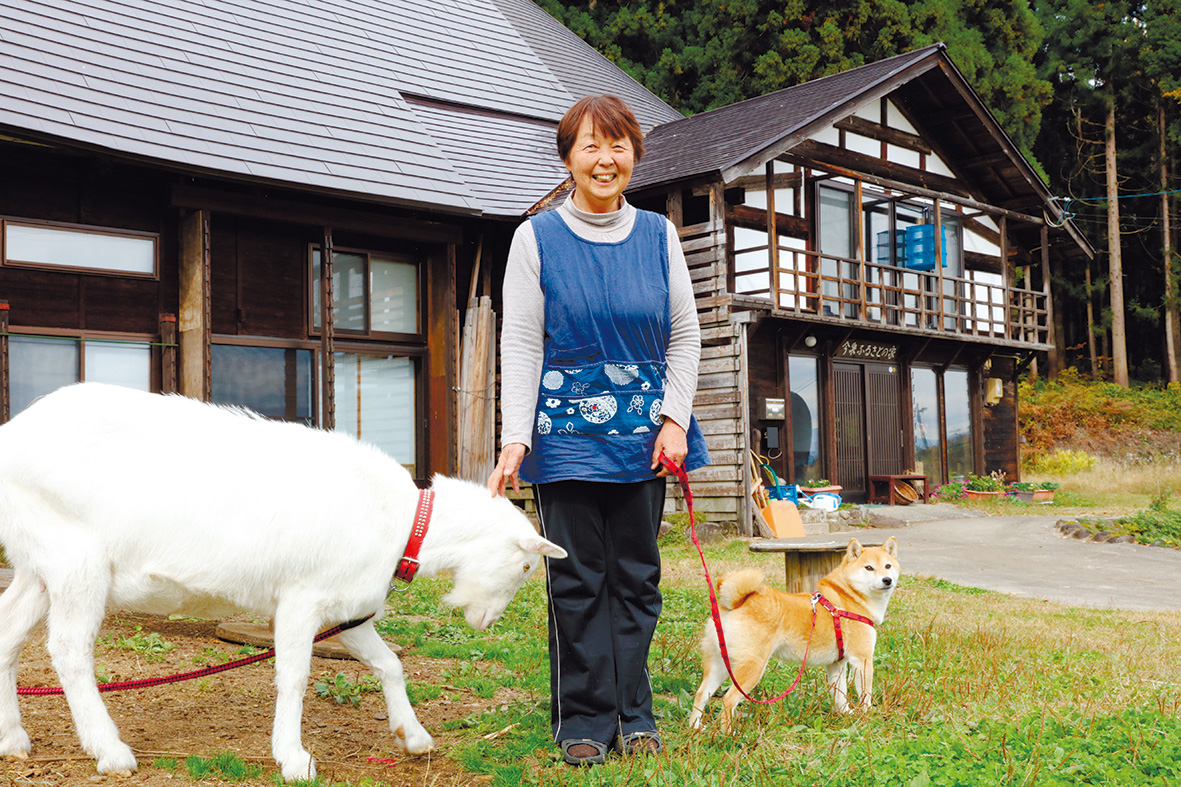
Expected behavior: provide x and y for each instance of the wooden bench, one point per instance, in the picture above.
(882, 486)
(808, 560)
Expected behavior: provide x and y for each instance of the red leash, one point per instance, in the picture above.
(42, 691)
(683, 477)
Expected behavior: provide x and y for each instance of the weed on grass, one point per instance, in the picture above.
(151, 646)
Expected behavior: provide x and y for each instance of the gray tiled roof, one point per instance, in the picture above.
(388, 101)
(728, 137)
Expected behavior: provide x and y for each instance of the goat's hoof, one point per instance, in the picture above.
(413, 738)
(300, 766)
(120, 762)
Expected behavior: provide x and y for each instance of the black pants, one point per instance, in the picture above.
(604, 602)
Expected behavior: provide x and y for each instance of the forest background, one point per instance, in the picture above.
(1089, 91)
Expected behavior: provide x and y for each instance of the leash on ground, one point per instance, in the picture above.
(715, 613)
(42, 691)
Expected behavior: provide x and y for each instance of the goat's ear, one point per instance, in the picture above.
(538, 545)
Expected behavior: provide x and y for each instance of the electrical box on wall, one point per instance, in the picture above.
(774, 409)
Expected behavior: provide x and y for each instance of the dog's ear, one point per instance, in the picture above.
(891, 546)
(854, 550)
(540, 546)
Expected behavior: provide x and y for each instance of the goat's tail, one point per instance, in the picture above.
(735, 587)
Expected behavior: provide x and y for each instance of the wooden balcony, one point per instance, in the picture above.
(836, 290)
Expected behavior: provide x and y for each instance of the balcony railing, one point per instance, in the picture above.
(819, 286)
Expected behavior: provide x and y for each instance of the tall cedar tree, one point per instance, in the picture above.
(1162, 65)
(1106, 104)
(703, 54)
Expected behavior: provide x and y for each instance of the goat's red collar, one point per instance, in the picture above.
(408, 565)
(837, 614)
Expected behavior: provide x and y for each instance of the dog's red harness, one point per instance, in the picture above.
(408, 565)
(837, 614)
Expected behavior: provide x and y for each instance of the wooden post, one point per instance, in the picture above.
(674, 206)
(1006, 272)
(746, 507)
(193, 322)
(327, 336)
(938, 226)
(5, 406)
(772, 234)
(440, 362)
(859, 250)
(168, 365)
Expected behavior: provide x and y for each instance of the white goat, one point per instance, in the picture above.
(111, 498)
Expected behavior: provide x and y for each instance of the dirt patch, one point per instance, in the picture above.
(231, 711)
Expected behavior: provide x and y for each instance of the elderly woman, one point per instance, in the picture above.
(599, 355)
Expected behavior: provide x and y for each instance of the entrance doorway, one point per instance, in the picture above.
(869, 424)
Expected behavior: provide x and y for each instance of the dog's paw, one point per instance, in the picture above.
(413, 738)
(117, 761)
(15, 743)
(298, 766)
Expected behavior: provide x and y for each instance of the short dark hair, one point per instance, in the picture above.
(609, 114)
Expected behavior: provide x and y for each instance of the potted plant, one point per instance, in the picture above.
(1031, 492)
(814, 485)
(985, 487)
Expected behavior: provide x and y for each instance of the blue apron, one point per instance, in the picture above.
(606, 333)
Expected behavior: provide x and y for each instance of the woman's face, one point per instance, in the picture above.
(601, 168)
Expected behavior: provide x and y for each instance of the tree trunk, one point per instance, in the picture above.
(1172, 323)
(1119, 337)
(1096, 373)
(1058, 354)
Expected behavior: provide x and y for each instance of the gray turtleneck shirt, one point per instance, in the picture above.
(523, 330)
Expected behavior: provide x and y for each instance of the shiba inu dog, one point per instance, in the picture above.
(760, 622)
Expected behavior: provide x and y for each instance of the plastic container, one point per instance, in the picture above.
(920, 247)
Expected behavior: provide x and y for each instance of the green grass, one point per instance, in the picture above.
(972, 687)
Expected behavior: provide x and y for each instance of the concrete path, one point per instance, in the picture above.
(1027, 556)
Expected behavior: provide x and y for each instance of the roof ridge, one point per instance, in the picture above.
(914, 53)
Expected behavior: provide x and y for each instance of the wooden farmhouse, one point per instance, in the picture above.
(871, 255)
(306, 210)
(283, 205)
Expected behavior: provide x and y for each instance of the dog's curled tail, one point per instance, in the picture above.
(735, 587)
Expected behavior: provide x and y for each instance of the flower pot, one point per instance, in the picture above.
(1035, 495)
(972, 494)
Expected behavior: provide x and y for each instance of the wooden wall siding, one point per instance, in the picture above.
(39, 185)
(720, 403)
(258, 276)
(886, 446)
(765, 360)
(1001, 437)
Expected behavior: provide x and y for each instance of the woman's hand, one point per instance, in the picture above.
(506, 469)
(672, 443)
